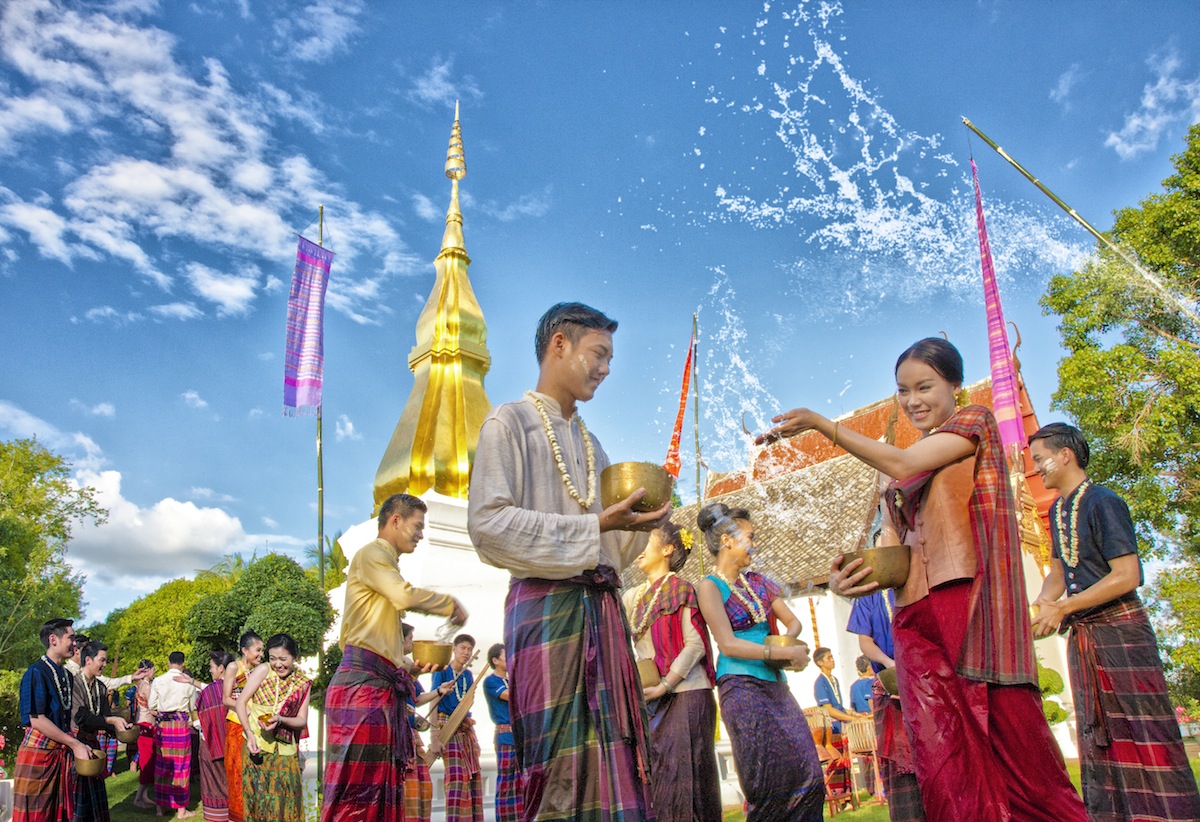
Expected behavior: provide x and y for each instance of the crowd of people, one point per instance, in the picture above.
(170, 724)
(603, 703)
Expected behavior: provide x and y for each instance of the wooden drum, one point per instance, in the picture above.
(861, 735)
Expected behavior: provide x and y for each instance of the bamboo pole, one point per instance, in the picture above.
(696, 423)
(1148, 277)
(320, 542)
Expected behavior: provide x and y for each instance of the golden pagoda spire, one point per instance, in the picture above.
(434, 441)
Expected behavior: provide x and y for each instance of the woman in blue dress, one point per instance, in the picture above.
(773, 748)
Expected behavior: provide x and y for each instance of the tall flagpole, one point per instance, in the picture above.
(1149, 278)
(320, 542)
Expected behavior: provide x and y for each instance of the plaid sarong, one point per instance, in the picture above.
(368, 740)
(172, 760)
(999, 643)
(894, 755)
(43, 780)
(108, 744)
(578, 719)
(509, 800)
(91, 799)
(463, 784)
(773, 750)
(418, 791)
(1131, 758)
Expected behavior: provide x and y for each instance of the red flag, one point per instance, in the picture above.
(672, 462)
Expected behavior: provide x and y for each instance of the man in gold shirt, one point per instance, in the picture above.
(365, 703)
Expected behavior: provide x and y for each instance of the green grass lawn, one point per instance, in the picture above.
(122, 788)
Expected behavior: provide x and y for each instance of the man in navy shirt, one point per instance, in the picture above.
(463, 781)
(1131, 758)
(43, 786)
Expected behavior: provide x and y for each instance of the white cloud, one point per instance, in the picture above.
(270, 523)
(1067, 81)
(1168, 101)
(345, 429)
(425, 208)
(436, 87)
(533, 204)
(320, 30)
(193, 400)
(165, 153)
(232, 293)
(108, 314)
(175, 311)
(209, 495)
(102, 409)
(81, 449)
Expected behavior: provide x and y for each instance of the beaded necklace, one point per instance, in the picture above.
(641, 624)
(754, 605)
(64, 689)
(584, 502)
(887, 605)
(833, 683)
(1068, 525)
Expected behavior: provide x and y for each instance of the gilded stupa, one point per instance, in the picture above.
(434, 441)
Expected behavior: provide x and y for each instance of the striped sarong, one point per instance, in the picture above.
(43, 780)
(368, 739)
(683, 729)
(578, 719)
(108, 744)
(463, 784)
(172, 760)
(235, 743)
(509, 799)
(272, 790)
(773, 750)
(1131, 758)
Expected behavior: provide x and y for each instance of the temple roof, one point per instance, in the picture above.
(811, 502)
(434, 442)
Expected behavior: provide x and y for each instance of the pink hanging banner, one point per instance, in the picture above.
(673, 463)
(1006, 401)
(304, 359)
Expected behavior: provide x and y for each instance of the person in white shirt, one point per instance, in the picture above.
(173, 701)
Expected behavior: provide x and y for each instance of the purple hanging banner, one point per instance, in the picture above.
(1006, 402)
(304, 363)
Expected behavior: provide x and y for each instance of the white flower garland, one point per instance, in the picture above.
(642, 624)
(1068, 525)
(584, 502)
(758, 611)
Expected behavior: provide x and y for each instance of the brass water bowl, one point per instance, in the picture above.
(648, 671)
(888, 563)
(93, 766)
(887, 678)
(621, 479)
(129, 735)
(774, 641)
(428, 652)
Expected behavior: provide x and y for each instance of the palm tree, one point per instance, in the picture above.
(335, 560)
(230, 568)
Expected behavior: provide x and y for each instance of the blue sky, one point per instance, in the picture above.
(796, 172)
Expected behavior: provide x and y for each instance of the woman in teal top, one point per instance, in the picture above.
(773, 748)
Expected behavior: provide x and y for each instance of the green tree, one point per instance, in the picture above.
(154, 625)
(1131, 377)
(39, 508)
(272, 595)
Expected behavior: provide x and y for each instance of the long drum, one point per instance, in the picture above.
(861, 735)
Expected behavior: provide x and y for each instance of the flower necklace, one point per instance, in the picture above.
(584, 502)
(754, 605)
(641, 624)
(1068, 530)
(64, 692)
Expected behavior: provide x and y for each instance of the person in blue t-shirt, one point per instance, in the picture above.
(509, 784)
(463, 781)
(860, 690)
(828, 690)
